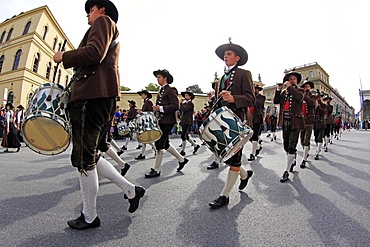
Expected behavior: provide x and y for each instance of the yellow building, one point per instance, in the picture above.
(28, 42)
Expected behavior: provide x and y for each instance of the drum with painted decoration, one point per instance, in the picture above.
(224, 133)
(122, 128)
(147, 127)
(46, 128)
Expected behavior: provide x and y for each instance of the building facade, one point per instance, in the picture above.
(28, 42)
(315, 73)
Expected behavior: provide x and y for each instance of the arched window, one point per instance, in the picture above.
(1, 63)
(67, 79)
(17, 58)
(44, 31)
(26, 28)
(48, 69)
(59, 75)
(10, 97)
(36, 63)
(55, 43)
(2, 37)
(59, 46)
(9, 34)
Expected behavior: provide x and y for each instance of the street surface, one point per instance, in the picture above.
(326, 204)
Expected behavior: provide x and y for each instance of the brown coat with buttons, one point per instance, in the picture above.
(310, 101)
(170, 103)
(295, 107)
(99, 77)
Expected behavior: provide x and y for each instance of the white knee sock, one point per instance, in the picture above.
(243, 173)
(319, 148)
(230, 181)
(158, 160)
(289, 161)
(254, 147)
(115, 145)
(305, 152)
(89, 191)
(108, 171)
(176, 154)
(127, 141)
(183, 145)
(192, 142)
(143, 148)
(113, 155)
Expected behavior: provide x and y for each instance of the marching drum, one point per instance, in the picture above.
(123, 128)
(131, 127)
(147, 128)
(46, 128)
(224, 133)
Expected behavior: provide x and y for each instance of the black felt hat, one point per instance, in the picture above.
(191, 94)
(240, 51)
(110, 8)
(131, 101)
(299, 76)
(164, 73)
(308, 82)
(149, 95)
(258, 86)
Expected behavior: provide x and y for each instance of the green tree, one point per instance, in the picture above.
(123, 88)
(194, 89)
(152, 87)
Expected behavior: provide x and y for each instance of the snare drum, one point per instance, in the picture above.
(46, 128)
(131, 127)
(123, 128)
(147, 127)
(224, 133)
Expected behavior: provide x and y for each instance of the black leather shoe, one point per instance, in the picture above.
(251, 157)
(316, 156)
(81, 224)
(140, 157)
(326, 149)
(6, 150)
(244, 182)
(153, 173)
(120, 152)
(196, 148)
(285, 176)
(214, 165)
(124, 170)
(219, 202)
(182, 153)
(134, 202)
(124, 147)
(18, 149)
(182, 164)
(268, 135)
(292, 166)
(258, 151)
(275, 138)
(139, 146)
(303, 164)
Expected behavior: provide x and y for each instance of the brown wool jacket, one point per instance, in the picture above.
(310, 100)
(320, 118)
(259, 108)
(99, 77)
(148, 105)
(170, 104)
(296, 106)
(242, 91)
(187, 110)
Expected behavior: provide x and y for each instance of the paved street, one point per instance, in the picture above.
(326, 204)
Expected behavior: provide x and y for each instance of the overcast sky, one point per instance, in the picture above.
(181, 36)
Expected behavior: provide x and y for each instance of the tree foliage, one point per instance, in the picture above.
(194, 89)
(152, 87)
(123, 88)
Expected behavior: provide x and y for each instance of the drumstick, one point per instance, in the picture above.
(220, 97)
(55, 74)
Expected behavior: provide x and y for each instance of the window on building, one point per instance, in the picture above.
(9, 34)
(311, 74)
(26, 28)
(17, 58)
(67, 79)
(48, 70)
(1, 63)
(55, 43)
(2, 37)
(59, 75)
(36, 63)
(44, 31)
(10, 97)
(59, 46)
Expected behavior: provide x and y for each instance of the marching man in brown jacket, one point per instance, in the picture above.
(165, 109)
(308, 111)
(92, 106)
(186, 110)
(320, 124)
(290, 117)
